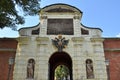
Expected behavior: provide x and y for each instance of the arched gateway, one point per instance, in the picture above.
(59, 58)
(78, 49)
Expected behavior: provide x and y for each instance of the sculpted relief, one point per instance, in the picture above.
(60, 43)
(89, 69)
(30, 69)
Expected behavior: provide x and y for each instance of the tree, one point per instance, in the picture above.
(9, 13)
(61, 72)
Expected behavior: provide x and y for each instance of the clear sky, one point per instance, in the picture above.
(104, 14)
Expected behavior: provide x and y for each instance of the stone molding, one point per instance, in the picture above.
(77, 38)
(42, 39)
(30, 79)
(7, 49)
(97, 39)
(112, 50)
(23, 40)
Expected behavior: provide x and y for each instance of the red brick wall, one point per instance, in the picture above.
(112, 52)
(7, 50)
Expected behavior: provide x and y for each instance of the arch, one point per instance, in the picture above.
(59, 58)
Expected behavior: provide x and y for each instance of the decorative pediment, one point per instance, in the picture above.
(60, 8)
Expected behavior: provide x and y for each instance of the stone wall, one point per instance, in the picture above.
(41, 48)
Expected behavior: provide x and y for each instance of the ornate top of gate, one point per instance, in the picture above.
(60, 7)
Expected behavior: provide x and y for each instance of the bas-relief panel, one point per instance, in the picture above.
(60, 26)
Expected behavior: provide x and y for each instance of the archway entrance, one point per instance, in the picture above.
(62, 60)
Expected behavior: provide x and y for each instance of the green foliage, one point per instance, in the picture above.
(9, 16)
(61, 72)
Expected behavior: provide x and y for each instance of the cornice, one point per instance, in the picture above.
(97, 39)
(23, 40)
(42, 38)
(112, 50)
(77, 38)
(8, 49)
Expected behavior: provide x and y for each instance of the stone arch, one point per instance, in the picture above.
(59, 58)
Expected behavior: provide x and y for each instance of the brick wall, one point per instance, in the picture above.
(7, 50)
(112, 53)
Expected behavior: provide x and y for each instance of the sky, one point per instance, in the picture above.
(103, 14)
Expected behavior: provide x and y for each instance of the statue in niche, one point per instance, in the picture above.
(30, 69)
(60, 43)
(89, 69)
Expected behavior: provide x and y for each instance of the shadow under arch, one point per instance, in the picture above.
(59, 58)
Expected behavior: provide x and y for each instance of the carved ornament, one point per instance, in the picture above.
(60, 43)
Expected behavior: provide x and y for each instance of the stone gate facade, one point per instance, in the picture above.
(60, 39)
